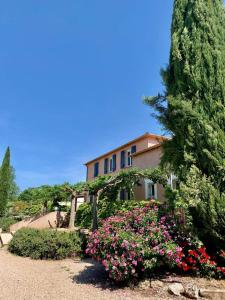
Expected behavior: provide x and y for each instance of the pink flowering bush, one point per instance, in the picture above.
(133, 243)
(139, 242)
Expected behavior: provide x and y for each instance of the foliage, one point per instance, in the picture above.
(206, 205)
(14, 189)
(5, 182)
(140, 242)
(46, 196)
(23, 208)
(193, 110)
(45, 244)
(194, 105)
(6, 222)
(84, 216)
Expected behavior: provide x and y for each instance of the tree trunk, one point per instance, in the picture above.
(72, 212)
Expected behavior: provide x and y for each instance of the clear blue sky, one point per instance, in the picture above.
(72, 77)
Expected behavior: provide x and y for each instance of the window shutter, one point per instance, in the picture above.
(114, 162)
(122, 159)
(96, 167)
(133, 149)
(106, 163)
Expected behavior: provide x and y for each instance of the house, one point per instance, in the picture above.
(142, 152)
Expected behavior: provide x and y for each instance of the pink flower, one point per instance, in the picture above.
(161, 251)
(134, 262)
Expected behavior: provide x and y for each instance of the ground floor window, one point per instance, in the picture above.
(124, 195)
(150, 189)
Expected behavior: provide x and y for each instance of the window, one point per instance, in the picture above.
(150, 189)
(129, 158)
(129, 155)
(106, 165)
(96, 169)
(133, 149)
(124, 195)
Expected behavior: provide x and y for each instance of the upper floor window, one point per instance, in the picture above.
(129, 155)
(96, 169)
(129, 158)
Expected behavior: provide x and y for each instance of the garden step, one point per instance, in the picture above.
(176, 289)
(5, 238)
(213, 294)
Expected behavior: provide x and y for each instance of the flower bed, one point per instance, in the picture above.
(139, 242)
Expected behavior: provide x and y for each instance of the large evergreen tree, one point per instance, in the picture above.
(5, 178)
(193, 107)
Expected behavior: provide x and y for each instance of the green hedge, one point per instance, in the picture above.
(45, 244)
(6, 222)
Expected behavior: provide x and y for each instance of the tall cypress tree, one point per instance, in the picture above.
(193, 111)
(5, 177)
(193, 107)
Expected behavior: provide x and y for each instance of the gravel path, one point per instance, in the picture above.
(26, 279)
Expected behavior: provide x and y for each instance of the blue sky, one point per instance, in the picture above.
(72, 77)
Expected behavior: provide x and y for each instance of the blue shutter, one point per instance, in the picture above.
(96, 167)
(122, 159)
(106, 163)
(133, 149)
(114, 162)
(87, 174)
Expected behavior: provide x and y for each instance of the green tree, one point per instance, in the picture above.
(5, 178)
(14, 189)
(48, 196)
(193, 106)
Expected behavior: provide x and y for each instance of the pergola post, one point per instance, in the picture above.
(72, 212)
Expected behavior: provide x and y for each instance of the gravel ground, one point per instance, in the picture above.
(26, 279)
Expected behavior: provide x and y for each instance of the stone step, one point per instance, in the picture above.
(213, 294)
(5, 238)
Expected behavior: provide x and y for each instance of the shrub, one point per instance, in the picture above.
(105, 210)
(141, 242)
(133, 243)
(110, 208)
(84, 215)
(6, 222)
(45, 244)
(23, 208)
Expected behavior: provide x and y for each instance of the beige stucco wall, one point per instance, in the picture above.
(149, 159)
